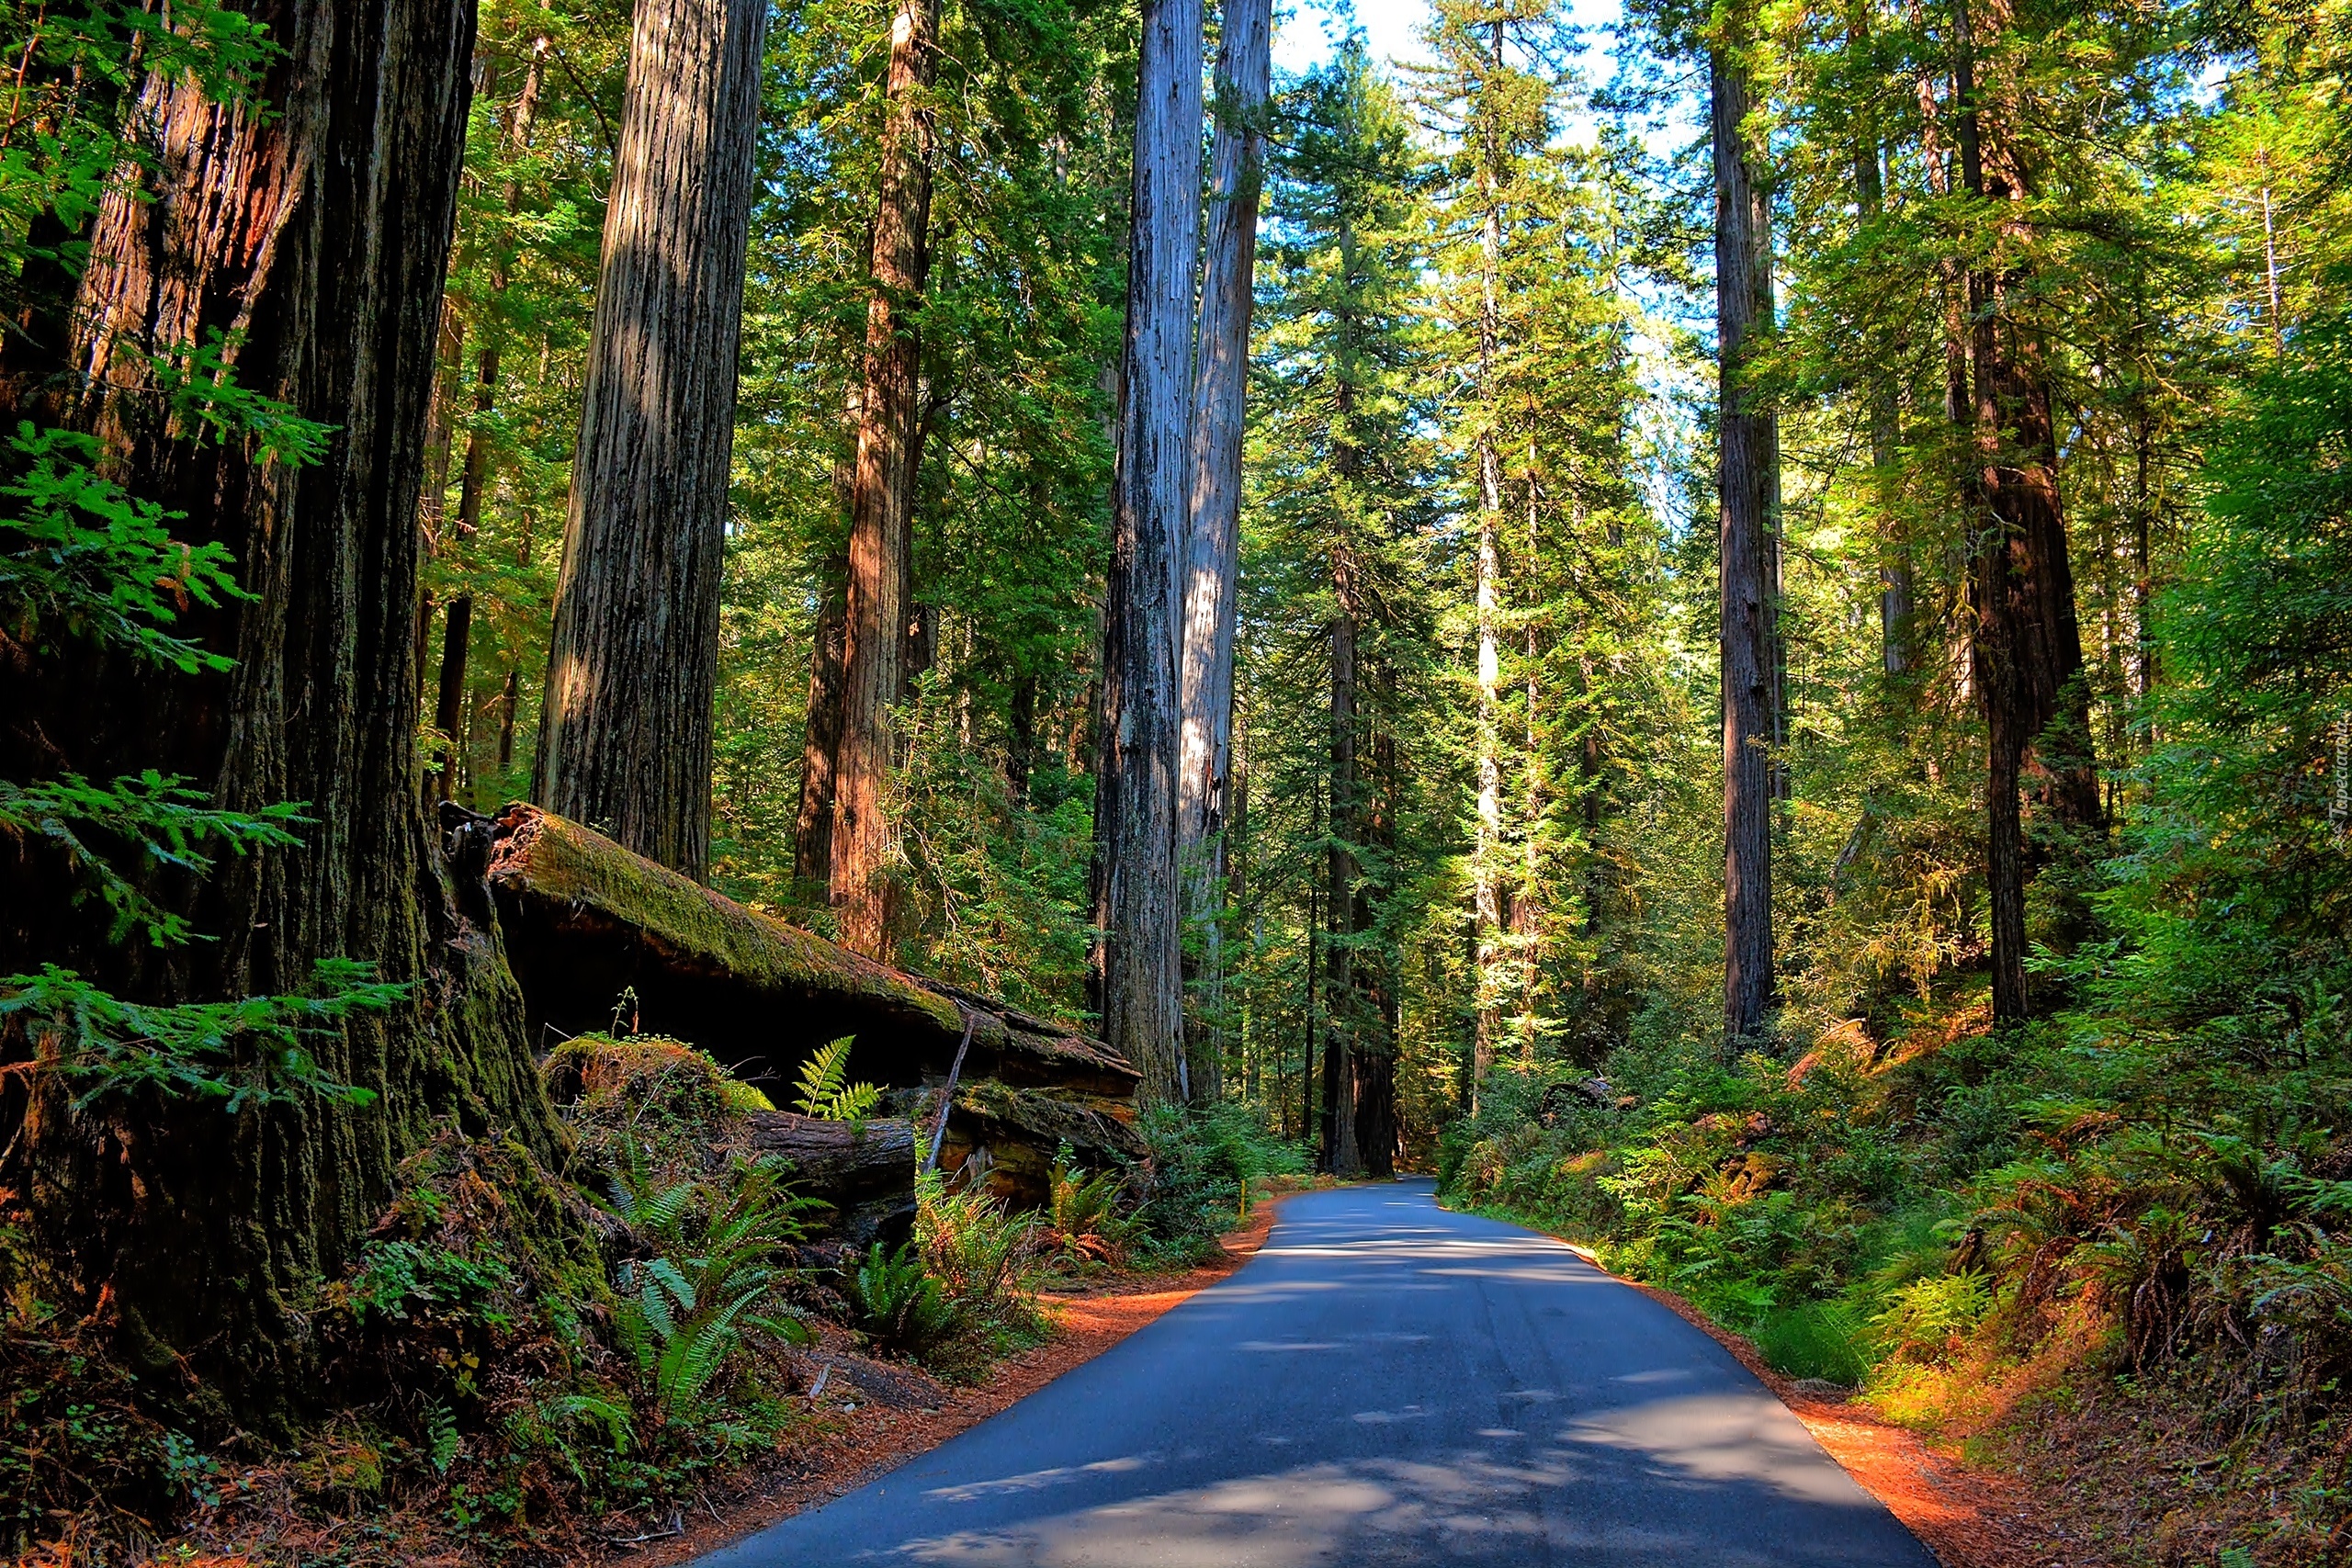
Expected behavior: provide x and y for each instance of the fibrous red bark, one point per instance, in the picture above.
(2026, 648)
(627, 726)
(882, 504)
(1744, 487)
(319, 231)
(1213, 538)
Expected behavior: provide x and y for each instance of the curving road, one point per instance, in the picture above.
(1385, 1382)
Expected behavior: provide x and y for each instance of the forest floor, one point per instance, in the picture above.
(869, 1428)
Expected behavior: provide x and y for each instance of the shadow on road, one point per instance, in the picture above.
(1385, 1382)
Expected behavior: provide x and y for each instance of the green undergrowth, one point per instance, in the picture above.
(522, 1359)
(1190, 1188)
(518, 1359)
(2032, 1242)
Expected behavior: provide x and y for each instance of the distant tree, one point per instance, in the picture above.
(1746, 489)
(2026, 647)
(879, 599)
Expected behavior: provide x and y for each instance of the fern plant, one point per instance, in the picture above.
(825, 1092)
(897, 1303)
(720, 1257)
(1083, 1212)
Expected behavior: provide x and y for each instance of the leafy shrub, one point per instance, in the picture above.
(718, 1268)
(976, 1247)
(1082, 1213)
(1188, 1189)
(1927, 1318)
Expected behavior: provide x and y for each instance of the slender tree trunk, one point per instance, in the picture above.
(449, 709)
(1142, 915)
(1485, 853)
(1527, 917)
(1020, 739)
(320, 231)
(1744, 489)
(1213, 535)
(1375, 1057)
(2027, 651)
(1894, 546)
(509, 699)
(813, 837)
(882, 502)
(1341, 1157)
(1308, 1125)
(2143, 514)
(625, 726)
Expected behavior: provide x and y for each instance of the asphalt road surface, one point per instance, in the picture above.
(1385, 1382)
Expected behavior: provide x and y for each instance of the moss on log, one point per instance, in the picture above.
(584, 918)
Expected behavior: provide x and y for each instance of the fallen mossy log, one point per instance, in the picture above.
(865, 1169)
(591, 928)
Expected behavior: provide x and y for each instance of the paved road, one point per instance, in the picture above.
(1385, 1382)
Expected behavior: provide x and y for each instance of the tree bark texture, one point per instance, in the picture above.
(882, 497)
(2026, 650)
(812, 836)
(1213, 538)
(1744, 486)
(450, 703)
(1485, 856)
(321, 232)
(1142, 913)
(625, 728)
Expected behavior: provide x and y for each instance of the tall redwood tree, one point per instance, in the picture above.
(879, 597)
(1745, 486)
(1141, 910)
(318, 233)
(627, 729)
(1213, 538)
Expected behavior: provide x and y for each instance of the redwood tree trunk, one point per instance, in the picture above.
(448, 707)
(812, 838)
(1141, 914)
(882, 498)
(320, 230)
(1744, 480)
(1341, 1155)
(2025, 649)
(626, 727)
(1486, 857)
(1213, 540)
